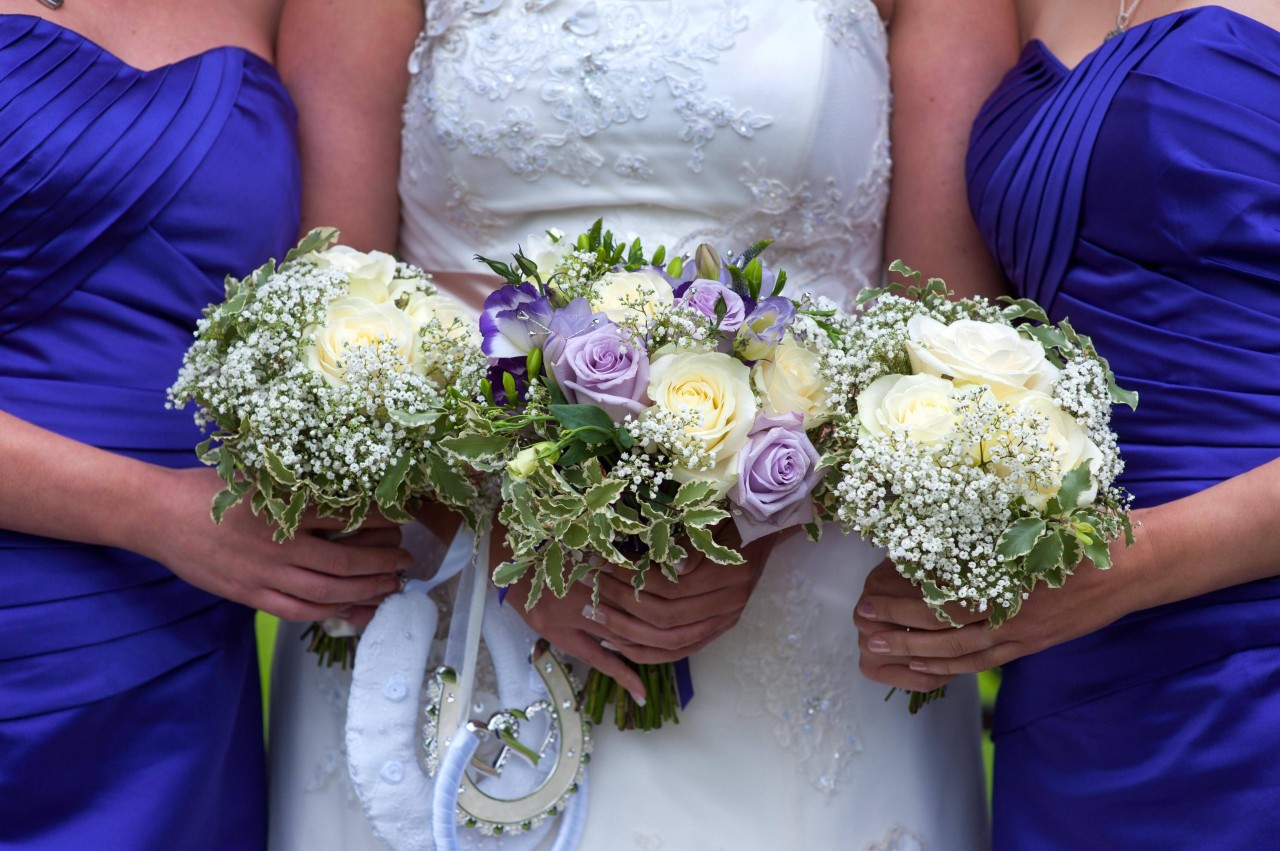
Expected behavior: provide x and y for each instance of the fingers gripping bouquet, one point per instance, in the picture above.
(641, 409)
(982, 455)
(327, 383)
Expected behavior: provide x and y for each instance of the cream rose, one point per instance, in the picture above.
(421, 309)
(451, 313)
(1070, 443)
(788, 381)
(353, 322)
(640, 294)
(718, 388)
(979, 353)
(916, 406)
(369, 275)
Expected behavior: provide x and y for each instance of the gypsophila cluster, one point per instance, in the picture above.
(327, 382)
(980, 454)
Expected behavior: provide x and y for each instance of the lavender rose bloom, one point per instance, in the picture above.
(602, 366)
(703, 295)
(514, 321)
(777, 472)
(573, 319)
(765, 327)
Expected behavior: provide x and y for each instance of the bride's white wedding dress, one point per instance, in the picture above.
(705, 120)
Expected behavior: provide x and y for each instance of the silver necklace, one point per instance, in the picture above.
(1122, 18)
(52, 4)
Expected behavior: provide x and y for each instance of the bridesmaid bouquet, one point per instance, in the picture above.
(327, 382)
(982, 457)
(637, 407)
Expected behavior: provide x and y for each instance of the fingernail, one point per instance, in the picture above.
(592, 613)
(682, 565)
(404, 561)
(878, 645)
(867, 610)
(638, 698)
(610, 646)
(919, 665)
(595, 561)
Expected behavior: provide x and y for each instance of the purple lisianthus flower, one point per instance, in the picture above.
(777, 472)
(514, 322)
(602, 366)
(765, 327)
(703, 295)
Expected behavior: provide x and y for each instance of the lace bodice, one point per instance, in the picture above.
(682, 122)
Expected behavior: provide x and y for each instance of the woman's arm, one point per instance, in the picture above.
(1225, 535)
(60, 488)
(345, 64)
(945, 57)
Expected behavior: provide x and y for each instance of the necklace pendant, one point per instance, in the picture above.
(52, 4)
(1115, 32)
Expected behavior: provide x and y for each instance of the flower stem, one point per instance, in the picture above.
(662, 703)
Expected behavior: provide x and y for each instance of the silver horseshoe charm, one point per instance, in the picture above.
(446, 719)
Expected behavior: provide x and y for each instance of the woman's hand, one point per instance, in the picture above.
(903, 643)
(306, 578)
(669, 621)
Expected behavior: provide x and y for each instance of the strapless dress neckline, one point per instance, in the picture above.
(1047, 54)
(36, 22)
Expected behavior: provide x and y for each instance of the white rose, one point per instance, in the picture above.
(640, 294)
(1070, 443)
(916, 406)
(451, 313)
(718, 388)
(454, 319)
(353, 322)
(369, 275)
(979, 353)
(788, 380)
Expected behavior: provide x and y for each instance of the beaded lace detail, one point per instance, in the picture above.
(900, 840)
(593, 66)
(807, 693)
(821, 233)
(846, 22)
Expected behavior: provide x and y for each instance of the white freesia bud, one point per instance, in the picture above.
(643, 293)
(788, 381)
(352, 322)
(545, 253)
(979, 353)
(1070, 444)
(530, 458)
(916, 406)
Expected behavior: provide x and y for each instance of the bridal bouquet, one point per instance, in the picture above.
(637, 407)
(982, 456)
(327, 382)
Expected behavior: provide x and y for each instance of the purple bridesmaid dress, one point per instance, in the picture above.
(1139, 195)
(130, 715)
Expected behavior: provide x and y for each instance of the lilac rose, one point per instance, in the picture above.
(777, 473)
(514, 322)
(602, 366)
(765, 327)
(703, 295)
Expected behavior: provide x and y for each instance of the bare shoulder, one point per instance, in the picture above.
(150, 33)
